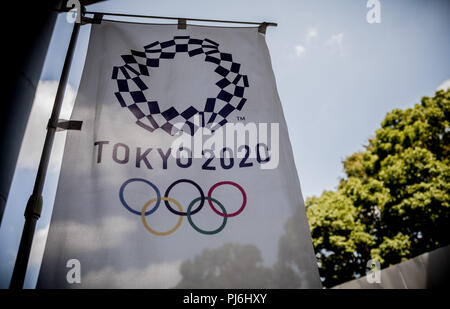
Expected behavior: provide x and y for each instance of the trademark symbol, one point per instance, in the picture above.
(240, 118)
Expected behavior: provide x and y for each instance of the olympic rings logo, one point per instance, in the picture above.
(190, 211)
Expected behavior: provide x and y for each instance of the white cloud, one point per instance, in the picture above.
(336, 43)
(88, 238)
(36, 128)
(311, 34)
(154, 276)
(109, 233)
(445, 85)
(85, 237)
(299, 50)
(37, 249)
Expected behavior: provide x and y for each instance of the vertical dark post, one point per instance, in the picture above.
(34, 205)
(28, 36)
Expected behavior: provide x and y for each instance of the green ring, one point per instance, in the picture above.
(188, 214)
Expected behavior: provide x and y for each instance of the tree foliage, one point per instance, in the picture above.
(232, 265)
(241, 265)
(394, 202)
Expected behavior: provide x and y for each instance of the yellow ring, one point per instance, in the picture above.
(144, 209)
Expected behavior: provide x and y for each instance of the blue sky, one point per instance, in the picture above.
(337, 77)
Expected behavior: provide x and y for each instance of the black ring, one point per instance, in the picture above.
(202, 197)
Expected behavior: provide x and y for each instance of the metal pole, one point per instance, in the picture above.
(186, 18)
(34, 205)
(178, 18)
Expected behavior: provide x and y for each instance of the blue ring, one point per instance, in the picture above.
(124, 203)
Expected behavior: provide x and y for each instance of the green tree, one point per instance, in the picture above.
(394, 202)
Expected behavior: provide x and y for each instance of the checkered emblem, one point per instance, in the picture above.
(132, 93)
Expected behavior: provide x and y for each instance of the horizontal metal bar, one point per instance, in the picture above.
(186, 18)
(64, 125)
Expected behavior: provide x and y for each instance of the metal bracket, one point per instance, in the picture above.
(34, 207)
(182, 23)
(64, 125)
(97, 19)
(263, 26)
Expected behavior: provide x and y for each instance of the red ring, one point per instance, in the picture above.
(244, 202)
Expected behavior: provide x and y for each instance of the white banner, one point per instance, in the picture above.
(182, 175)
